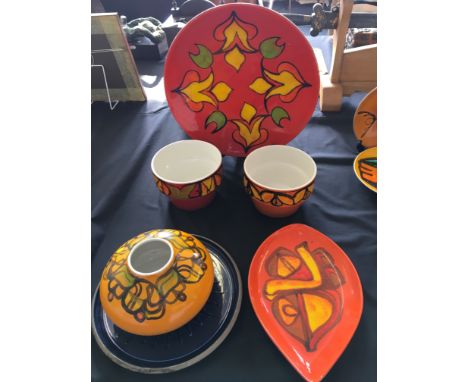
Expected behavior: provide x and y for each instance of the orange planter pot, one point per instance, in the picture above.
(188, 172)
(156, 282)
(192, 196)
(275, 203)
(279, 179)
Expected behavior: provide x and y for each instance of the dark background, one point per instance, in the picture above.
(125, 202)
(161, 9)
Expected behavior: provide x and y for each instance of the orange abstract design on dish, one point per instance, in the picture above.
(234, 44)
(365, 120)
(277, 198)
(307, 296)
(368, 170)
(365, 168)
(192, 190)
(303, 292)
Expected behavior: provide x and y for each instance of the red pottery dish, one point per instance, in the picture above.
(241, 76)
(188, 172)
(307, 295)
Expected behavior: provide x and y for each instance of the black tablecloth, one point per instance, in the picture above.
(125, 202)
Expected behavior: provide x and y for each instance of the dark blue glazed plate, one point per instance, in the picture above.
(185, 346)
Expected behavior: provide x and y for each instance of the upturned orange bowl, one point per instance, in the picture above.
(279, 179)
(156, 282)
(188, 172)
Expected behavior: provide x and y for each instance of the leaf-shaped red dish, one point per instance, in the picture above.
(308, 297)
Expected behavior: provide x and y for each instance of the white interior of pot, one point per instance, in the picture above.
(280, 167)
(186, 161)
(150, 256)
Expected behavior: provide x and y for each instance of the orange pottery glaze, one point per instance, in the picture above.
(365, 120)
(277, 203)
(192, 196)
(158, 302)
(307, 296)
(365, 168)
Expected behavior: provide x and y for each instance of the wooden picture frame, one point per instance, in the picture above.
(113, 72)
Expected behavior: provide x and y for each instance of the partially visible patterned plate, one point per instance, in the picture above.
(365, 120)
(185, 346)
(241, 76)
(307, 296)
(365, 168)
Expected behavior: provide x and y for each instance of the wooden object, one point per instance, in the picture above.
(351, 69)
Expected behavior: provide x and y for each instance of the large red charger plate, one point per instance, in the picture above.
(308, 297)
(241, 76)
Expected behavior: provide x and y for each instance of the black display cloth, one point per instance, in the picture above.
(126, 202)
